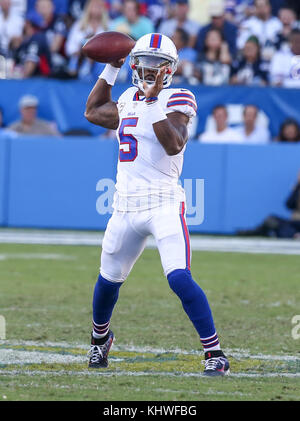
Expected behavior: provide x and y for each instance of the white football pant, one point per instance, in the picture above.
(126, 234)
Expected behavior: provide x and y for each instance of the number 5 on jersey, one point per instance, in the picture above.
(128, 143)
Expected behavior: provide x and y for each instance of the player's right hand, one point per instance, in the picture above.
(154, 90)
(118, 63)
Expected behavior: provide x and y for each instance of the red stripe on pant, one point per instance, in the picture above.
(186, 236)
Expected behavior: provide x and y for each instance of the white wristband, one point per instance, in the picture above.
(156, 112)
(110, 74)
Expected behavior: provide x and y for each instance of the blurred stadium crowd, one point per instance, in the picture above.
(238, 42)
(249, 42)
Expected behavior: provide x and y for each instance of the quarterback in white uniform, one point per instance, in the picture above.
(152, 127)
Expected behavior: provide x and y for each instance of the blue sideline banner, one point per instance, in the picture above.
(3, 178)
(204, 163)
(69, 183)
(53, 182)
(258, 181)
(64, 101)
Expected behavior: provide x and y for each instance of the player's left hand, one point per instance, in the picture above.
(153, 90)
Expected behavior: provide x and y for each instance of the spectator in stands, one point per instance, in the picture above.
(93, 21)
(11, 26)
(251, 133)
(276, 5)
(158, 10)
(114, 8)
(55, 30)
(289, 131)
(249, 68)
(3, 129)
(285, 65)
(60, 6)
(218, 22)
(236, 11)
(222, 133)
(276, 226)
(180, 20)
(19, 7)
(264, 26)
(187, 57)
(295, 5)
(132, 22)
(31, 54)
(288, 19)
(75, 9)
(213, 67)
(29, 123)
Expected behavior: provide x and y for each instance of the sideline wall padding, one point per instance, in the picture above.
(259, 180)
(206, 162)
(53, 182)
(3, 178)
(63, 101)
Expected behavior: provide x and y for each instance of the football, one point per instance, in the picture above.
(109, 46)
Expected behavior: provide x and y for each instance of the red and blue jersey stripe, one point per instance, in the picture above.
(155, 40)
(182, 99)
(182, 95)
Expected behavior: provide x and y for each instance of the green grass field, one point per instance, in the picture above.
(46, 294)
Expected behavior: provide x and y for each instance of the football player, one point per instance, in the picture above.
(152, 128)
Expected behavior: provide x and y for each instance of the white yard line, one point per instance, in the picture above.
(202, 243)
(234, 353)
(36, 256)
(108, 373)
(50, 237)
(12, 356)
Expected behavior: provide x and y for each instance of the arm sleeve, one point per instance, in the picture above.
(182, 100)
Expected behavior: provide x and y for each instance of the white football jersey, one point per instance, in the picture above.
(147, 176)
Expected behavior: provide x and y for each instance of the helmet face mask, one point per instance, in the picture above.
(148, 57)
(147, 67)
